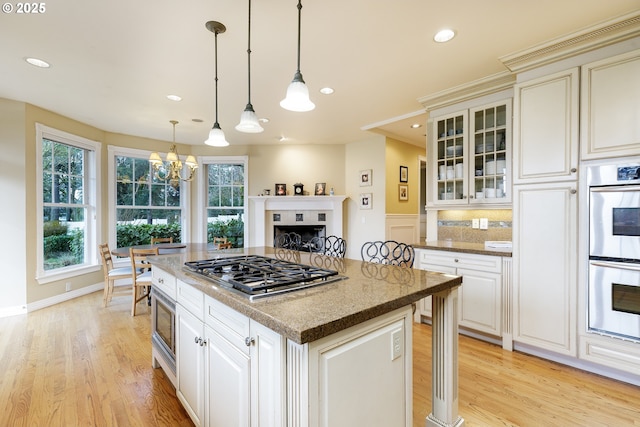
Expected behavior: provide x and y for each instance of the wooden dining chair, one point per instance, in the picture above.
(141, 272)
(219, 240)
(225, 245)
(111, 274)
(156, 240)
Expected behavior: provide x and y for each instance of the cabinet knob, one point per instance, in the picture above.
(573, 191)
(574, 170)
(455, 260)
(202, 342)
(196, 339)
(249, 341)
(161, 280)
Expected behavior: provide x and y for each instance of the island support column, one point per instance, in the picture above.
(444, 382)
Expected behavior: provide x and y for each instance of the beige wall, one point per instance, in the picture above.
(13, 251)
(402, 154)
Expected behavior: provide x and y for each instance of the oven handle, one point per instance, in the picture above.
(614, 188)
(619, 265)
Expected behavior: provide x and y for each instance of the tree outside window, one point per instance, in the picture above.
(225, 202)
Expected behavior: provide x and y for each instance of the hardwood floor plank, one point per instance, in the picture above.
(501, 388)
(79, 364)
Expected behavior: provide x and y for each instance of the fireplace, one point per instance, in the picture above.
(306, 232)
(267, 212)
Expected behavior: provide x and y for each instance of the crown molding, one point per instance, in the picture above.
(593, 37)
(468, 91)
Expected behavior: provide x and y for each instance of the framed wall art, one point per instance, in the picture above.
(404, 174)
(366, 200)
(365, 178)
(320, 189)
(281, 189)
(403, 192)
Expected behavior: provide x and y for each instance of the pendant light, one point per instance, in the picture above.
(249, 119)
(297, 98)
(216, 135)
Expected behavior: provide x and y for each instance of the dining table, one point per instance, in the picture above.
(166, 248)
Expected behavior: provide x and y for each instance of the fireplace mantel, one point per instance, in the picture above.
(261, 205)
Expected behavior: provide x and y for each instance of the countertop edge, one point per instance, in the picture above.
(464, 247)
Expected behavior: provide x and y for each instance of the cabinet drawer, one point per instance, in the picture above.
(164, 281)
(227, 322)
(190, 298)
(487, 263)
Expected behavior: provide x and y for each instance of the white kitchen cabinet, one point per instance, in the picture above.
(545, 130)
(190, 363)
(190, 351)
(480, 306)
(545, 266)
(471, 156)
(610, 107)
(244, 383)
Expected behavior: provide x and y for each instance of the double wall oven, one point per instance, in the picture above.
(614, 250)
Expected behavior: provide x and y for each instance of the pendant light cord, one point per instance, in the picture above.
(216, 71)
(249, 57)
(299, 25)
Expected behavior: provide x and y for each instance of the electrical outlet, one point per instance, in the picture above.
(484, 223)
(475, 223)
(397, 344)
(67, 287)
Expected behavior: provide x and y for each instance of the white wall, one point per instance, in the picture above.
(13, 283)
(364, 224)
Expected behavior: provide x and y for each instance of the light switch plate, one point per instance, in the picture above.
(475, 223)
(484, 223)
(397, 344)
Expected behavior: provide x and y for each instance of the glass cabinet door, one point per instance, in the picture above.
(490, 161)
(449, 154)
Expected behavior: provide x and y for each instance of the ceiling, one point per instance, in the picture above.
(114, 62)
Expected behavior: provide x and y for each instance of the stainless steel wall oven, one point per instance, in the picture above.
(163, 332)
(614, 250)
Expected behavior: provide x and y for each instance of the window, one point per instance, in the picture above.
(145, 205)
(66, 181)
(226, 194)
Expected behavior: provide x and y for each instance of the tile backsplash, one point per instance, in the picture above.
(456, 225)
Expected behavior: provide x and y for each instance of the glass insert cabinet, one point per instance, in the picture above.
(471, 156)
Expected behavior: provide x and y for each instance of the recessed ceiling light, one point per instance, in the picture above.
(197, 120)
(38, 62)
(174, 98)
(416, 126)
(263, 120)
(443, 36)
(326, 91)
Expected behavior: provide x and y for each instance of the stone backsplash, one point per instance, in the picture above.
(456, 225)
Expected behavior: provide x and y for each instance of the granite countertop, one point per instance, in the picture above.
(303, 316)
(463, 247)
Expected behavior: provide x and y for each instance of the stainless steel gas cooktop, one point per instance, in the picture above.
(256, 276)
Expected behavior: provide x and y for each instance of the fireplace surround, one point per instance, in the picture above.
(268, 212)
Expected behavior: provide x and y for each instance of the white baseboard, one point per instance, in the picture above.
(57, 299)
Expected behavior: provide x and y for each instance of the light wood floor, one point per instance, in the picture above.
(78, 364)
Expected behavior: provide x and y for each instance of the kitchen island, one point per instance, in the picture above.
(335, 354)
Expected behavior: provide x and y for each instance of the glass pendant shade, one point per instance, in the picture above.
(249, 121)
(216, 137)
(297, 98)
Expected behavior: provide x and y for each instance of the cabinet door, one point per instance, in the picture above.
(545, 266)
(611, 107)
(545, 137)
(448, 152)
(267, 377)
(480, 299)
(190, 364)
(490, 154)
(227, 383)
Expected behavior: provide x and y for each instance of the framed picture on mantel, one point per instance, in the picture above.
(281, 189)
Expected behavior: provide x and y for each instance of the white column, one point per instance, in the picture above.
(444, 377)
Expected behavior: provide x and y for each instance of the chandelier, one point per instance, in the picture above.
(171, 169)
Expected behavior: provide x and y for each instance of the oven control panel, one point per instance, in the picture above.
(628, 173)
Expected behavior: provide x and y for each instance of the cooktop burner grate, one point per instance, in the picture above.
(257, 276)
